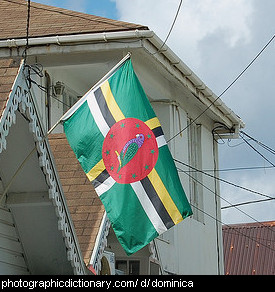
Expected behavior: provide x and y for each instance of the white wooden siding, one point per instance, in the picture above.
(12, 259)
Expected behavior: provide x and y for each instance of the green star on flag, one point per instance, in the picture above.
(120, 145)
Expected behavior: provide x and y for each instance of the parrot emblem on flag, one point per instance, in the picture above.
(129, 150)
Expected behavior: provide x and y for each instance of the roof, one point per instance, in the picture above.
(36, 181)
(249, 249)
(52, 25)
(85, 207)
(62, 21)
(8, 71)
(84, 204)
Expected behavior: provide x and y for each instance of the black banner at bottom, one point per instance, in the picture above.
(40, 283)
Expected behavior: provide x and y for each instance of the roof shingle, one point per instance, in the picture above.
(8, 71)
(84, 204)
(48, 21)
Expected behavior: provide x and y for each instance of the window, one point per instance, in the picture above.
(128, 267)
(154, 268)
(63, 99)
(195, 178)
(69, 99)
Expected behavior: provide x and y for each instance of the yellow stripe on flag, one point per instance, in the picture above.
(111, 102)
(164, 196)
(153, 123)
(96, 170)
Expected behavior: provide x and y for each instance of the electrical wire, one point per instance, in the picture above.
(236, 168)
(223, 180)
(215, 193)
(24, 55)
(246, 203)
(227, 88)
(258, 152)
(234, 230)
(224, 224)
(37, 69)
(172, 26)
(272, 151)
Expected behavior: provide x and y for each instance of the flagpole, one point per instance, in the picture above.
(82, 100)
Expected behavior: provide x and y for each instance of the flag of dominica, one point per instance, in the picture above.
(120, 145)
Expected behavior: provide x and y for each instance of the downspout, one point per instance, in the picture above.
(219, 239)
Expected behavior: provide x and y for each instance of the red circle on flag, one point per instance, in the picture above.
(129, 151)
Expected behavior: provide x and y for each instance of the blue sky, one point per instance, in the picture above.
(104, 8)
(217, 39)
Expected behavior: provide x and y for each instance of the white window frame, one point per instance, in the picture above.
(195, 162)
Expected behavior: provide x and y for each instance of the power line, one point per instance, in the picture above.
(235, 169)
(269, 149)
(258, 152)
(27, 32)
(246, 203)
(226, 89)
(215, 193)
(223, 180)
(37, 69)
(172, 26)
(234, 230)
(231, 205)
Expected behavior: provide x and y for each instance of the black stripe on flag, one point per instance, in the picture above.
(157, 203)
(104, 107)
(157, 132)
(100, 178)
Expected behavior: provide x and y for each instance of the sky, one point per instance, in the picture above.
(217, 39)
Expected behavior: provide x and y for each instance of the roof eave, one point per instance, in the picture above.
(196, 86)
(165, 56)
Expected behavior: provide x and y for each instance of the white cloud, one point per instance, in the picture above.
(217, 39)
(257, 180)
(79, 5)
(197, 20)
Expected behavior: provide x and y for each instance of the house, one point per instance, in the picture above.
(36, 232)
(68, 53)
(249, 248)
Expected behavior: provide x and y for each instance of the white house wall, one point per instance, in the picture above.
(12, 260)
(191, 247)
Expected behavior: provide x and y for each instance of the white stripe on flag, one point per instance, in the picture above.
(148, 207)
(161, 141)
(97, 115)
(105, 186)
